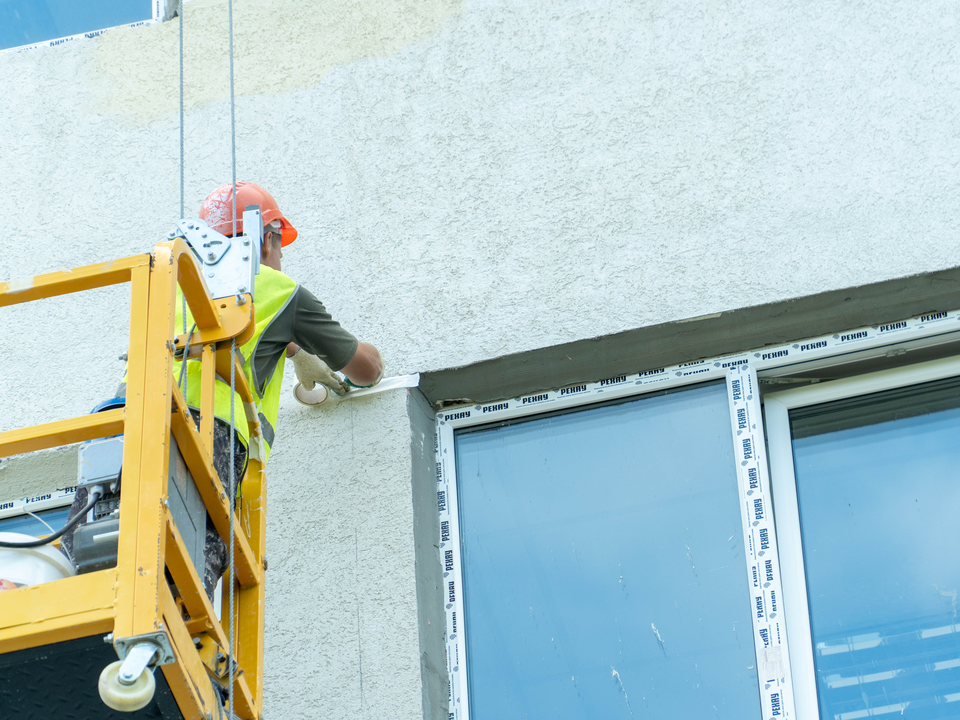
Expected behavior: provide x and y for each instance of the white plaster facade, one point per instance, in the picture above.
(470, 179)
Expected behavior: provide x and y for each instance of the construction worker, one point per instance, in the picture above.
(290, 322)
(288, 318)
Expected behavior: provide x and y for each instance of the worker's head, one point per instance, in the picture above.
(216, 212)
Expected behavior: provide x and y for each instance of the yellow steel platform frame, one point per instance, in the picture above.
(134, 598)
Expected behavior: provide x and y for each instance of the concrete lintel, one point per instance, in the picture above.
(670, 343)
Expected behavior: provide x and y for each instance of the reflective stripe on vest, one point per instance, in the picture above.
(272, 291)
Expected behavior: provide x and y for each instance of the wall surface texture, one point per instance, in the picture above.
(470, 178)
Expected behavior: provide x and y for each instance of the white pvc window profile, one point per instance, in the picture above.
(36, 503)
(764, 574)
(45, 23)
(783, 478)
(789, 358)
(759, 616)
(31, 514)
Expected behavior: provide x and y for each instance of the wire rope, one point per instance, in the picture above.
(39, 519)
(233, 473)
(182, 380)
(233, 341)
(183, 298)
(233, 349)
(180, 14)
(233, 125)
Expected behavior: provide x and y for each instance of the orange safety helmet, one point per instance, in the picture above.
(216, 209)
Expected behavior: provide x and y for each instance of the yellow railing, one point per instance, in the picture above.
(135, 599)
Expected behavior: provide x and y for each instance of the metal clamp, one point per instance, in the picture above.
(209, 245)
(157, 640)
(138, 659)
(229, 268)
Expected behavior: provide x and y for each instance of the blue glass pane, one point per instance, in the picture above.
(24, 22)
(29, 525)
(604, 569)
(878, 483)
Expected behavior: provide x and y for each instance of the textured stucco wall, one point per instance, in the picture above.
(341, 626)
(470, 179)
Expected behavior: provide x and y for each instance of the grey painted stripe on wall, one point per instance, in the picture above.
(686, 340)
(435, 686)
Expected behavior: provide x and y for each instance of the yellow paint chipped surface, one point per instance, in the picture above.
(279, 46)
(18, 285)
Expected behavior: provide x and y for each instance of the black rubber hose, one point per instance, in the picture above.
(59, 533)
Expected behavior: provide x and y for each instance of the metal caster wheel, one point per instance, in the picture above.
(121, 696)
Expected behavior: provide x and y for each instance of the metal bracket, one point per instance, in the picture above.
(159, 640)
(209, 245)
(170, 9)
(137, 660)
(229, 265)
(212, 655)
(252, 218)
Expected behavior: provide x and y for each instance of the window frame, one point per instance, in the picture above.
(162, 10)
(56, 500)
(36, 503)
(786, 507)
(858, 344)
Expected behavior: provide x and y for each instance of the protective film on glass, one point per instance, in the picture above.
(878, 485)
(603, 564)
(45, 522)
(26, 22)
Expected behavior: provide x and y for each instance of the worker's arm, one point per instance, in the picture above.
(363, 370)
(312, 328)
(312, 370)
(365, 367)
(305, 322)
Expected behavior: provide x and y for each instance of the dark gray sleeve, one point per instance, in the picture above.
(306, 322)
(319, 334)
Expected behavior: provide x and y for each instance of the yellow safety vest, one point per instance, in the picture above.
(272, 292)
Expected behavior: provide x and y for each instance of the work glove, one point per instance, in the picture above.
(312, 370)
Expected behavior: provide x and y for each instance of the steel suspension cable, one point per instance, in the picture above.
(233, 365)
(183, 298)
(180, 14)
(233, 498)
(233, 124)
(233, 341)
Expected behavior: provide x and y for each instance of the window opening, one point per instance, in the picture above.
(26, 23)
(867, 491)
(603, 563)
(33, 524)
(807, 361)
(36, 504)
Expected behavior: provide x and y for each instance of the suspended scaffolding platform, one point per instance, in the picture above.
(148, 620)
